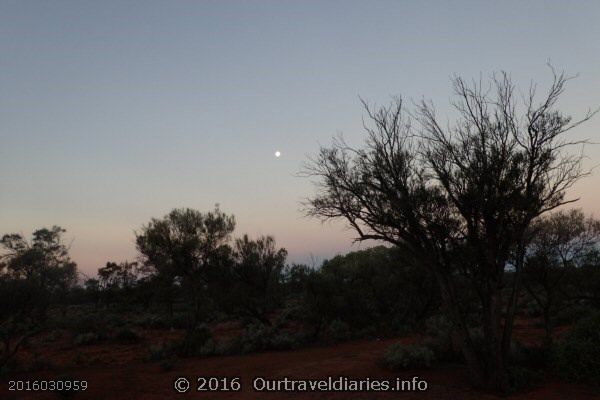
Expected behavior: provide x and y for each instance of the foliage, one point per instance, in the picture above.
(337, 331)
(33, 274)
(84, 339)
(127, 336)
(402, 356)
(161, 351)
(439, 329)
(373, 290)
(194, 342)
(560, 243)
(181, 248)
(458, 197)
(252, 285)
(577, 356)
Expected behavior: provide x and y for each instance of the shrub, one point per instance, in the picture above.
(160, 352)
(126, 335)
(286, 341)
(337, 331)
(438, 325)
(229, 347)
(150, 321)
(528, 356)
(87, 338)
(194, 342)
(83, 324)
(570, 315)
(577, 356)
(523, 377)
(399, 356)
(440, 342)
(443, 349)
(256, 337)
(180, 320)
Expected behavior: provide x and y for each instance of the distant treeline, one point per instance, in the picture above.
(191, 272)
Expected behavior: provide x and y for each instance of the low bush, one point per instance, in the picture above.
(256, 337)
(337, 331)
(439, 328)
(443, 349)
(523, 377)
(84, 339)
(194, 343)
(577, 356)
(259, 337)
(161, 351)
(150, 321)
(401, 356)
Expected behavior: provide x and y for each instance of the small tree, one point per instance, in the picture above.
(459, 198)
(118, 279)
(256, 278)
(560, 242)
(183, 246)
(33, 274)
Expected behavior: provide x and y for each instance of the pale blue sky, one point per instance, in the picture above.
(115, 112)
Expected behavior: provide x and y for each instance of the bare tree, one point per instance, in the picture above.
(460, 198)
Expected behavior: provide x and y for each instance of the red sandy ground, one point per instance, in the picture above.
(120, 372)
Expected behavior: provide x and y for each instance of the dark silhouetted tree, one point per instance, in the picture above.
(255, 280)
(459, 198)
(33, 274)
(183, 246)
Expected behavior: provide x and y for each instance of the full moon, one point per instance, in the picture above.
(278, 154)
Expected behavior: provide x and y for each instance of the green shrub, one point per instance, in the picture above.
(400, 356)
(577, 356)
(256, 337)
(337, 331)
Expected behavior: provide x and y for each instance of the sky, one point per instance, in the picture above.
(114, 112)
